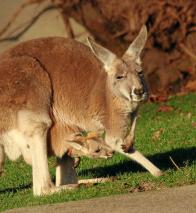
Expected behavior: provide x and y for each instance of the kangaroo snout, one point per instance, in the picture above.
(138, 94)
(138, 91)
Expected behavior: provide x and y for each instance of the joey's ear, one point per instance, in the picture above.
(77, 146)
(103, 54)
(137, 45)
(74, 145)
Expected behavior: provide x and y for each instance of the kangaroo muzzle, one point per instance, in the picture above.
(138, 94)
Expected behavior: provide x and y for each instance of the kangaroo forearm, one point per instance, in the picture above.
(129, 139)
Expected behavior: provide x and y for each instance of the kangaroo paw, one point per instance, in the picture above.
(127, 148)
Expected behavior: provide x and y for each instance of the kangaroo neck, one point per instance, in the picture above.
(119, 113)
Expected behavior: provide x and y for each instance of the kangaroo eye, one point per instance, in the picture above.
(97, 151)
(119, 77)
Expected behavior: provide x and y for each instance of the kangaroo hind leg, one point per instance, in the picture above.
(34, 127)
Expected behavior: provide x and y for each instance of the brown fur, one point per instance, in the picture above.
(23, 85)
(92, 145)
(64, 61)
(52, 88)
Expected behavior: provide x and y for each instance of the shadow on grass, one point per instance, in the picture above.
(161, 160)
(16, 189)
(180, 156)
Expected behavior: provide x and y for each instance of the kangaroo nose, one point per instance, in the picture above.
(138, 92)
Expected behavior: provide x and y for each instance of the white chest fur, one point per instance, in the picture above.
(15, 145)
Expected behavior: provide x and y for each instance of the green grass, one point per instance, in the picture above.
(177, 140)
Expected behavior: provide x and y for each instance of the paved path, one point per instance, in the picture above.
(173, 200)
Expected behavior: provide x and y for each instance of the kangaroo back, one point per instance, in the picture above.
(23, 85)
(75, 74)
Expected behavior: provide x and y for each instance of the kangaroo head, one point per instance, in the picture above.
(92, 146)
(124, 75)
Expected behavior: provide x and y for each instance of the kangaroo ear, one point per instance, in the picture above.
(77, 146)
(74, 145)
(103, 54)
(137, 45)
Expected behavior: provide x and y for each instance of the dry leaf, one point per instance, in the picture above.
(158, 98)
(143, 186)
(189, 115)
(191, 86)
(156, 135)
(165, 108)
(194, 124)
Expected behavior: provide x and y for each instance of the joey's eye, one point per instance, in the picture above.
(120, 77)
(98, 150)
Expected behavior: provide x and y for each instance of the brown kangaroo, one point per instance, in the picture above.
(53, 87)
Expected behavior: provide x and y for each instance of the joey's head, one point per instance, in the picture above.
(124, 75)
(92, 146)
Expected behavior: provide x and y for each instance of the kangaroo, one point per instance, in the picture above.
(92, 145)
(51, 87)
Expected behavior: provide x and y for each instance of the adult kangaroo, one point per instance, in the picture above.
(53, 87)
